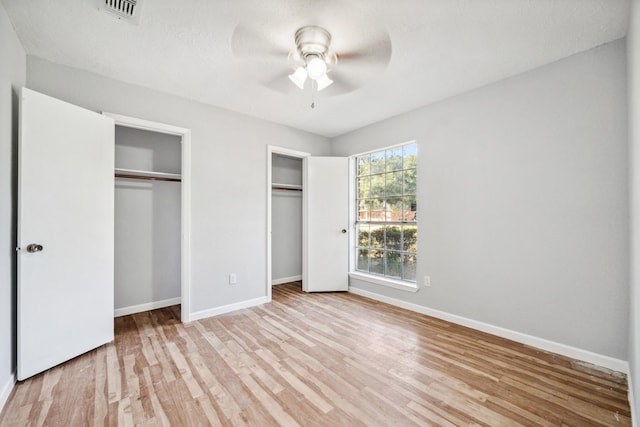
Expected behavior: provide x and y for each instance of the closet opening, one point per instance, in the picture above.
(285, 216)
(151, 268)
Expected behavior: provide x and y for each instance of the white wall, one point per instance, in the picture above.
(12, 76)
(633, 71)
(523, 203)
(147, 220)
(229, 175)
(286, 219)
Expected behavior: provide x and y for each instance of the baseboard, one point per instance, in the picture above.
(284, 280)
(6, 391)
(227, 308)
(541, 343)
(145, 307)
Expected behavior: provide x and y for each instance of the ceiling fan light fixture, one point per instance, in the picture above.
(323, 82)
(298, 77)
(316, 67)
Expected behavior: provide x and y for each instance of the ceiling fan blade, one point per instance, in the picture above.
(259, 42)
(341, 85)
(374, 53)
(279, 82)
(359, 62)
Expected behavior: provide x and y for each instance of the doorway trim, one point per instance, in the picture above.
(185, 190)
(271, 150)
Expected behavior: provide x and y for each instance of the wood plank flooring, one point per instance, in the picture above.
(332, 359)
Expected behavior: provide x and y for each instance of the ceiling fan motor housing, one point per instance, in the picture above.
(312, 41)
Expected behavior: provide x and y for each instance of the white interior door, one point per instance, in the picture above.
(65, 232)
(326, 219)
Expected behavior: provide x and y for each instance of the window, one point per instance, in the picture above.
(386, 217)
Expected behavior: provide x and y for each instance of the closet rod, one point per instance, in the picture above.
(285, 188)
(147, 178)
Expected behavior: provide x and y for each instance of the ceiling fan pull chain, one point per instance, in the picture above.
(313, 93)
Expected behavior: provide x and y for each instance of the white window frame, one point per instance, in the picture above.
(353, 192)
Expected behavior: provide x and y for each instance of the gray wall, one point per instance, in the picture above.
(12, 76)
(229, 159)
(286, 219)
(147, 219)
(523, 203)
(633, 47)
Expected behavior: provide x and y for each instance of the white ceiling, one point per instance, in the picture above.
(440, 48)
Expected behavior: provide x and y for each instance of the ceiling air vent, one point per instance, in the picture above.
(127, 10)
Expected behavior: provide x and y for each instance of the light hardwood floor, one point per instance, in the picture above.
(331, 359)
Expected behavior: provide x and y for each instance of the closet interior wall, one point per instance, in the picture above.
(286, 219)
(147, 222)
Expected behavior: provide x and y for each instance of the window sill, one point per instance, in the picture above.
(383, 281)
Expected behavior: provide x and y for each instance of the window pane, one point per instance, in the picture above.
(376, 210)
(409, 267)
(363, 235)
(364, 184)
(394, 159)
(377, 236)
(393, 265)
(393, 183)
(376, 262)
(410, 153)
(393, 237)
(410, 181)
(409, 238)
(377, 162)
(394, 209)
(363, 260)
(363, 165)
(410, 208)
(363, 210)
(377, 185)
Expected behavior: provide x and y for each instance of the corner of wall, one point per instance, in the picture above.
(633, 90)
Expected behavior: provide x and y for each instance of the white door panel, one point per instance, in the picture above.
(326, 196)
(66, 187)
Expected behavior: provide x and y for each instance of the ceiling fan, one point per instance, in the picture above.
(311, 58)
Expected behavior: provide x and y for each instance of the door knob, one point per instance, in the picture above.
(344, 231)
(34, 247)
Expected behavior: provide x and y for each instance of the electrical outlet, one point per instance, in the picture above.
(233, 279)
(427, 281)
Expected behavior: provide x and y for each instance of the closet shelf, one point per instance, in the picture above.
(290, 187)
(150, 175)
